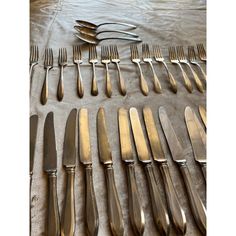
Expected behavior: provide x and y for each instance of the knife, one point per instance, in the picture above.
(199, 148)
(69, 161)
(197, 207)
(50, 167)
(177, 213)
(135, 209)
(105, 155)
(160, 213)
(202, 112)
(91, 211)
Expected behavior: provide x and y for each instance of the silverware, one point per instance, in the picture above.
(177, 213)
(77, 57)
(105, 155)
(148, 59)
(69, 162)
(136, 60)
(202, 112)
(50, 167)
(177, 152)
(159, 58)
(160, 213)
(116, 60)
(135, 209)
(48, 65)
(34, 57)
(93, 60)
(91, 211)
(201, 52)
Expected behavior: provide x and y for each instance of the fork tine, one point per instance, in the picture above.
(95, 52)
(51, 57)
(148, 51)
(37, 53)
(65, 54)
(159, 52)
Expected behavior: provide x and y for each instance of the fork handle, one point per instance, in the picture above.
(94, 88)
(197, 80)
(143, 82)
(80, 87)
(171, 78)
(44, 93)
(121, 81)
(187, 82)
(157, 85)
(60, 87)
(203, 73)
(108, 82)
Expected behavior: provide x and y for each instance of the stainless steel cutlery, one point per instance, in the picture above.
(201, 52)
(93, 60)
(34, 57)
(202, 112)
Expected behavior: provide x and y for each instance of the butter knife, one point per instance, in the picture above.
(91, 211)
(160, 213)
(114, 208)
(202, 112)
(177, 213)
(135, 209)
(197, 207)
(50, 167)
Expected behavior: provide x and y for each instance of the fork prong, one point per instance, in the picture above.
(46, 57)
(159, 52)
(65, 55)
(116, 52)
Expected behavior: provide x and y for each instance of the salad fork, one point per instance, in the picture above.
(34, 56)
(201, 52)
(93, 60)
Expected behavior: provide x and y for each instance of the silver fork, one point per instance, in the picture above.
(105, 56)
(201, 52)
(116, 59)
(136, 60)
(34, 56)
(193, 59)
(183, 59)
(93, 60)
(77, 57)
(148, 59)
(48, 65)
(174, 59)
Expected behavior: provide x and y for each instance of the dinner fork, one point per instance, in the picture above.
(182, 59)
(48, 65)
(34, 56)
(174, 59)
(201, 52)
(116, 59)
(93, 60)
(105, 56)
(148, 59)
(136, 60)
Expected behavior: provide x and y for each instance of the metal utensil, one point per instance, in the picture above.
(93, 60)
(201, 52)
(202, 112)
(34, 57)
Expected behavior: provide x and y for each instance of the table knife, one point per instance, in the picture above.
(135, 209)
(177, 213)
(91, 211)
(202, 112)
(199, 148)
(105, 155)
(50, 167)
(69, 161)
(160, 213)
(197, 207)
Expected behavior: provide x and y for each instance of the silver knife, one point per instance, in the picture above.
(91, 211)
(160, 213)
(105, 155)
(202, 112)
(197, 207)
(50, 167)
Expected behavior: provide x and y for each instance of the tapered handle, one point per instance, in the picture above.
(157, 84)
(108, 83)
(203, 73)
(94, 87)
(187, 81)
(204, 168)
(172, 81)
(197, 207)
(197, 80)
(60, 87)
(44, 92)
(121, 81)
(118, 23)
(80, 87)
(143, 82)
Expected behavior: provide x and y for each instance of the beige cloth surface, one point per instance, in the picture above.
(173, 22)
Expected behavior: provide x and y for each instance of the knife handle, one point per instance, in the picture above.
(68, 215)
(204, 167)
(160, 213)
(114, 208)
(135, 208)
(197, 207)
(53, 219)
(91, 212)
(177, 213)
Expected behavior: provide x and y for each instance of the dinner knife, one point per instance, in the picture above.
(50, 167)
(197, 207)
(69, 161)
(160, 213)
(135, 209)
(199, 148)
(202, 112)
(91, 211)
(177, 213)
(105, 155)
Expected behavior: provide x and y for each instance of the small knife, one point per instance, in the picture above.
(177, 213)
(91, 211)
(50, 167)
(135, 209)
(160, 213)
(202, 112)
(197, 207)
(114, 208)
(69, 161)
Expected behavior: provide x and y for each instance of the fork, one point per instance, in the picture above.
(182, 59)
(148, 59)
(116, 60)
(174, 59)
(48, 65)
(77, 57)
(136, 60)
(105, 56)
(34, 56)
(93, 60)
(201, 52)
(193, 59)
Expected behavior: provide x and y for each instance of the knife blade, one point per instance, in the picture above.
(33, 135)
(202, 112)
(197, 207)
(200, 128)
